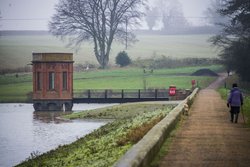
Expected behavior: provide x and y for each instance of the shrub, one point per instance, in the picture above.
(122, 59)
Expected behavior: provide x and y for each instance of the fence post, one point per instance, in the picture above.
(156, 92)
(89, 96)
(122, 93)
(106, 94)
(139, 93)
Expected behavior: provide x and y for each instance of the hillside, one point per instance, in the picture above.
(16, 50)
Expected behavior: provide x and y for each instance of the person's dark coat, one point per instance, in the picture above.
(235, 99)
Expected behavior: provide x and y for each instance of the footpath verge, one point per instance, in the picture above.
(142, 153)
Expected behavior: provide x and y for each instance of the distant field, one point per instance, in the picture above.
(16, 89)
(16, 51)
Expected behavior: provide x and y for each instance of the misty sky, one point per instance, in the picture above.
(35, 14)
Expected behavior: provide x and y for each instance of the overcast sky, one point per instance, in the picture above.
(35, 14)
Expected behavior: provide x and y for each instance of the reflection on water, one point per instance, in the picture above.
(50, 117)
(23, 131)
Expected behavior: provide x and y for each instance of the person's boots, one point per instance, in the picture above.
(236, 117)
(232, 117)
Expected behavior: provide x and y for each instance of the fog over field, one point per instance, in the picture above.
(35, 14)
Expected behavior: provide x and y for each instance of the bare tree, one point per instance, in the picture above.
(213, 15)
(234, 39)
(0, 22)
(99, 21)
(172, 15)
(151, 17)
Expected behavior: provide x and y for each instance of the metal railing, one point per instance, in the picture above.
(121, 93)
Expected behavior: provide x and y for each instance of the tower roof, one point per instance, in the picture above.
(52, 57)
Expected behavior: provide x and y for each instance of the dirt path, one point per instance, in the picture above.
(207, 137)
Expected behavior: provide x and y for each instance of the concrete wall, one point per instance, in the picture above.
(142, 153)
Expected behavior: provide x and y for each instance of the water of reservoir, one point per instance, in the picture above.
(23, 131)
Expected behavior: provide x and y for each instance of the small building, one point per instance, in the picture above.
(52, 81)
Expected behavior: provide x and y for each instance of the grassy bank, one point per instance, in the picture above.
(106, 145)
(16, 89)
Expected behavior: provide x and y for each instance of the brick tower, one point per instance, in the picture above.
(52, 81)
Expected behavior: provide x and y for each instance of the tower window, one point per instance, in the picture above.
(39, 80)
(51, 80)
(65, 81)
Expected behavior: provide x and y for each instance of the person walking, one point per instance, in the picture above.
(235, 101)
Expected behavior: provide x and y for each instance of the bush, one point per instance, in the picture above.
(122, 59)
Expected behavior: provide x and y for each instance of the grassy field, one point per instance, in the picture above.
(15, 89)
(16, 51)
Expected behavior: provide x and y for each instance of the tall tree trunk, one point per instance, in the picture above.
(102, 54)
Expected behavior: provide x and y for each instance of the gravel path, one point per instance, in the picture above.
(207, 137)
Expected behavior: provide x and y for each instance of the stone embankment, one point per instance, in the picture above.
(142, 153)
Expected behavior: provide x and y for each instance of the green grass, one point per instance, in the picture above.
(123, 111)
(123, 72)
(132, 78)
(106, 145)
(16, 89)
(15, 92)
(16, 51)
(12, 78)
(181, 82)
(246, 109)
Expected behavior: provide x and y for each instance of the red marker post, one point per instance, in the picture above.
(193, 83)
(172, 90)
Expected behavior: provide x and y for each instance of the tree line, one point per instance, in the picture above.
(234, 39)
